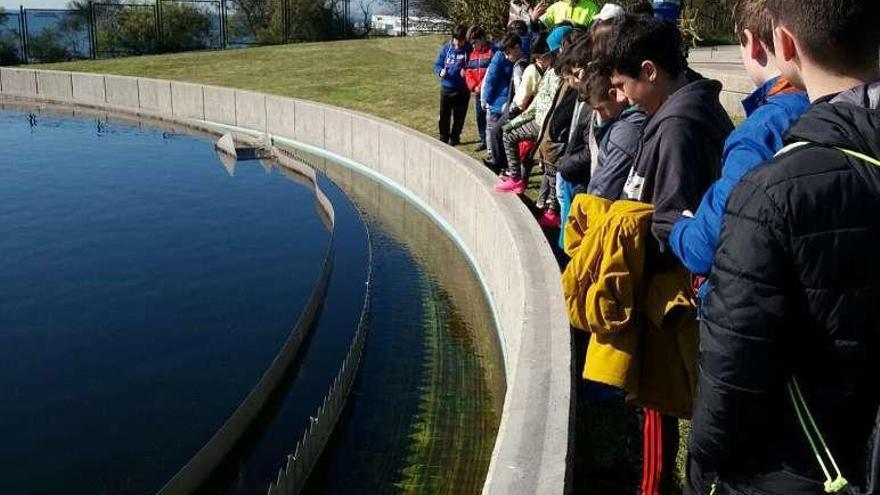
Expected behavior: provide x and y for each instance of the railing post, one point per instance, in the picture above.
(24, 34)
(21, 34)
(93, 31)
(158, 8)
(285, 21)
(224, 21)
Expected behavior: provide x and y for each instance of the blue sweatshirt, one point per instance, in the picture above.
(667, 10)
(772, 109)
(453, 60)
(497, 83)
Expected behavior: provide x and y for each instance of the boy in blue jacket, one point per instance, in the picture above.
(771, 110)
(454, 94)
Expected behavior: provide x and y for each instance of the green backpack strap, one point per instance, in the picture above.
(811, 429)
(855, 154)
(860, 156)
(836, 483)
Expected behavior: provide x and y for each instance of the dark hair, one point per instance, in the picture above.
(580, 54)
(476, 33)
(637, 38)
(539, 44)
(642, 7)
(596, 82)
(837, 34)
(753, 15)
(519, 27)
(572, 37)
(511, 40)
(460, 33)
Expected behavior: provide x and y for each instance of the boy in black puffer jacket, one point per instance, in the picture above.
(791, 324)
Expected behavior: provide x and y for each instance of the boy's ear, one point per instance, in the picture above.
(786, 49)
(755, 47)
(649, 71)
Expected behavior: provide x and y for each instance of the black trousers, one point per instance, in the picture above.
(454, 107)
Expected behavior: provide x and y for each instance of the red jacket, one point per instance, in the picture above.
(477, 65)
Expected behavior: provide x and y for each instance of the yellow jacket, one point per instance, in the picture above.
(643, 332)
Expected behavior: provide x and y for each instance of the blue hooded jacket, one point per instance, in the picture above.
(454, 61)
(497, 82)
(772, 109)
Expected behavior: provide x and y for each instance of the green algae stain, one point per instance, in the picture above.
(452, 437)
(445, 445)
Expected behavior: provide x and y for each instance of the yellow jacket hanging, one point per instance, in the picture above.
(643, 326)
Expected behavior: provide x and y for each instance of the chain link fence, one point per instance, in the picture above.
(115, 28)
(11, 39)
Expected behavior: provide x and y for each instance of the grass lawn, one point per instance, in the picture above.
(386, 77)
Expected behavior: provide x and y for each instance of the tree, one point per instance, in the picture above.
(186, 27)
(492, 15)
(9, 40)
(251, 18)
(307, 20)
(432, 8)
(131, 29)
(366, 7)
(47, 45)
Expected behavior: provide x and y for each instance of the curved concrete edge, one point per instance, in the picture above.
(497, 233)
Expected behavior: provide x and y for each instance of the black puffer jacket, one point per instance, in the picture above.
(795, 290)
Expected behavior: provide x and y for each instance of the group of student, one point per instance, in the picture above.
(760, 243)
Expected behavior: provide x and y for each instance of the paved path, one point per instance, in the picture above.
(723, 63)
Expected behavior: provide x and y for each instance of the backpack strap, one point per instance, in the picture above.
(811, 429)
(855, 154)
(860, 156)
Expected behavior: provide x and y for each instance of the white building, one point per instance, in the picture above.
(390, 25)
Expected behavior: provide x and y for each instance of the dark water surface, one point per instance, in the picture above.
(143, 291)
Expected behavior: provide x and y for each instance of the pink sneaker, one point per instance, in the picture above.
(550, 219)
(515, 186)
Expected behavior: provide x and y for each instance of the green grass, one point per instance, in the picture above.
(386, 77)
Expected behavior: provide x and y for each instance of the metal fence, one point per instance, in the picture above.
(113, 28)
(11, 39)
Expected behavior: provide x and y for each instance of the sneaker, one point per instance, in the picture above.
(480, 147)
(550, 219)
(510, 185)
(454, 141)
